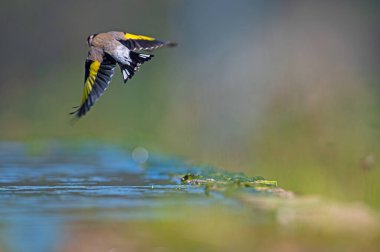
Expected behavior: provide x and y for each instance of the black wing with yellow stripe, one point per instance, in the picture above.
(98, 76)
(140, 42)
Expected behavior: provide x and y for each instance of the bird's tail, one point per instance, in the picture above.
(137, 59)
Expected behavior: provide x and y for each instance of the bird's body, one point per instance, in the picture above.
(107, 50)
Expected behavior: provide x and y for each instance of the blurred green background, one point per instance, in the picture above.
(283, 89)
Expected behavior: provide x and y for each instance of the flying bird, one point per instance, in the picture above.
(107, 50)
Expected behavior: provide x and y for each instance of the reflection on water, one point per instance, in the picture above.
(41, 192)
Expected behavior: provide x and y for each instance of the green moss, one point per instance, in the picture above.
(217, 180)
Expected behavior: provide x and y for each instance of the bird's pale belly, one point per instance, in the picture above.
(120, 54)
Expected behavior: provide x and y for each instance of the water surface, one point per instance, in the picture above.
(44, 188)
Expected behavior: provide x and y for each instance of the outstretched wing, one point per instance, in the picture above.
(140, 42)
(98, 76)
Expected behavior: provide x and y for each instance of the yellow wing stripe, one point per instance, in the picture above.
(141, 37)
(94, 68)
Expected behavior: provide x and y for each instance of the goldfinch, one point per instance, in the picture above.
(107, 50)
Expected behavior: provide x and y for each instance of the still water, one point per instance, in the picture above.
(44, 187)
(93, 196)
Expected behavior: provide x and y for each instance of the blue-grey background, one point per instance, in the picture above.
(288, 90)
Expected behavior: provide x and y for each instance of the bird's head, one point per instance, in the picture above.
(90, 38)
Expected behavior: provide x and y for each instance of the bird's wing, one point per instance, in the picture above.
(98, 75)
(140, 42)
(136, 60)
